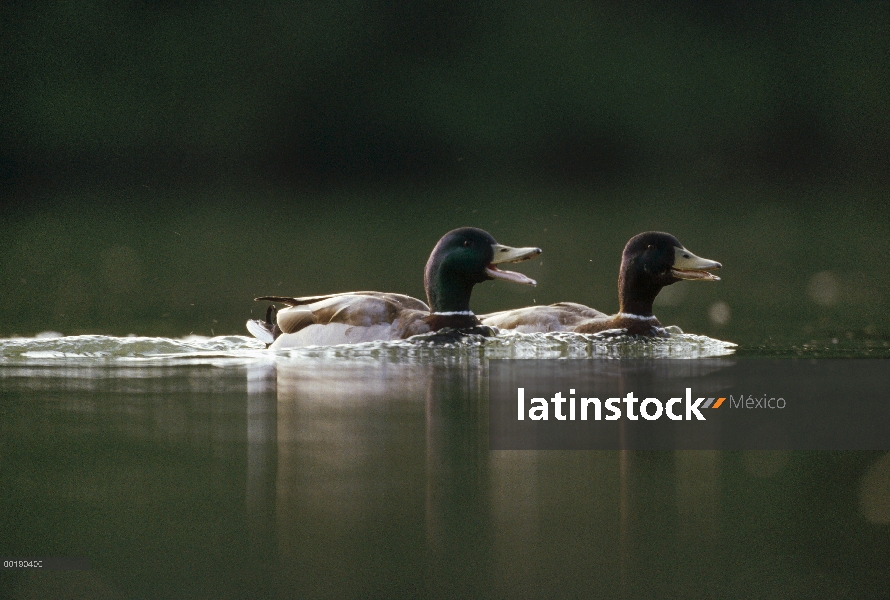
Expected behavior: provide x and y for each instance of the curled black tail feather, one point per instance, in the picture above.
(266, 331)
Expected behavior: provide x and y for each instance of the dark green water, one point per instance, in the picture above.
(212, 469)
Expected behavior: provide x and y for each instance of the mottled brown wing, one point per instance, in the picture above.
(291, 320)
(399, 299)
(572, 311)
(357, 309)
(563, 315)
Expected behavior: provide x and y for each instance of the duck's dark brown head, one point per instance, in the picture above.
(651, 261)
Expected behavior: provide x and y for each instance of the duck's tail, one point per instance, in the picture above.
(265, 331)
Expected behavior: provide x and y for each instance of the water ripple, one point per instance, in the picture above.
(224, 350)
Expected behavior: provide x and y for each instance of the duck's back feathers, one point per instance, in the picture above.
(348, 318)
(562, 316)
(569, 316)
(357, 309)
(353, 317)
(400, 299)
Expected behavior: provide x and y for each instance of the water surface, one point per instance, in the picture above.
(210, 467)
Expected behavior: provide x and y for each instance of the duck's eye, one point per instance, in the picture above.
(649, 247)
(467, 243)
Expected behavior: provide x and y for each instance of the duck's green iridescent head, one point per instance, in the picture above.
(463, 258)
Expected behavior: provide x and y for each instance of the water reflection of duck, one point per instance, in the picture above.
(460, 260)
(649, 262)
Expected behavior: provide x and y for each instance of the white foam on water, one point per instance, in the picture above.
(228, 350)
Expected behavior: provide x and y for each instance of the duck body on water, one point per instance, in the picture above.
(461, 259)
(650, 261)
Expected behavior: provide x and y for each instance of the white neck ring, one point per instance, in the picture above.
(637, 317)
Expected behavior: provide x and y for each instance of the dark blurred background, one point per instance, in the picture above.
(162, 164)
